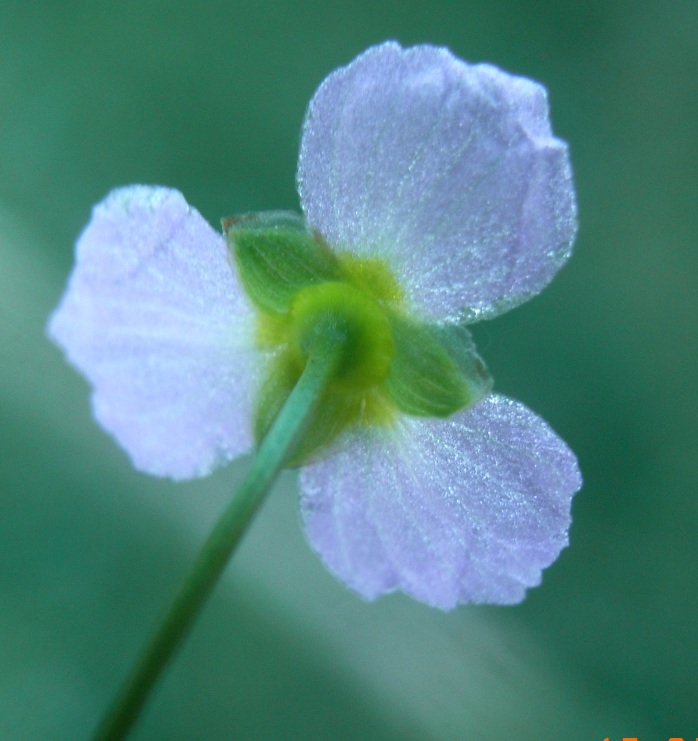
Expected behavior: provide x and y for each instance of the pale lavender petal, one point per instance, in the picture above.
(155, 318)
(448, 170)
(467, 509)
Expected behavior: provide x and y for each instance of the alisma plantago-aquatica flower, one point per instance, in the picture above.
(433, 195)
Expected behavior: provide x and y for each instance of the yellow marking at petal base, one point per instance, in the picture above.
(272, 330)
(374, 409)
(371, 274)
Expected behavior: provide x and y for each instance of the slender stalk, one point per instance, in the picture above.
(209, 564)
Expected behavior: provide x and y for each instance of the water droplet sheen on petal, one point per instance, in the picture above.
(447, 170)
(466, 509)
(155, 318)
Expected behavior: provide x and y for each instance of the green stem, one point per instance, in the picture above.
(273, 452)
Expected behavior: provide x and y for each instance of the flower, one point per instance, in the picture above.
(439, 177)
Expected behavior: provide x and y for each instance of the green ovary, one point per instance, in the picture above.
(326, 316)
(349, 314)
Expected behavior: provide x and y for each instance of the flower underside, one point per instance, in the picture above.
(446, 199)
(310, 299)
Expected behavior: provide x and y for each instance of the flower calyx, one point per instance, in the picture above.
(310, 299)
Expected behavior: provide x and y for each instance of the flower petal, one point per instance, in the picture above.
(468, 509)
(155, 318)
(448, 170)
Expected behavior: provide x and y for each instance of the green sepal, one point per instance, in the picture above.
(333, 414)
(435, 370)
(277, 255)
(336, 410)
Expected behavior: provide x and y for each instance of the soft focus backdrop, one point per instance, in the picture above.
(208, 97)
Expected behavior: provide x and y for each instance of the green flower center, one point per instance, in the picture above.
(310, 299)
(352, 320)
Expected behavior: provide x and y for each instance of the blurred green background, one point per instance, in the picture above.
(208, 97)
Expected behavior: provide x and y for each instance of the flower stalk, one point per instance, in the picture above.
(274, 451)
